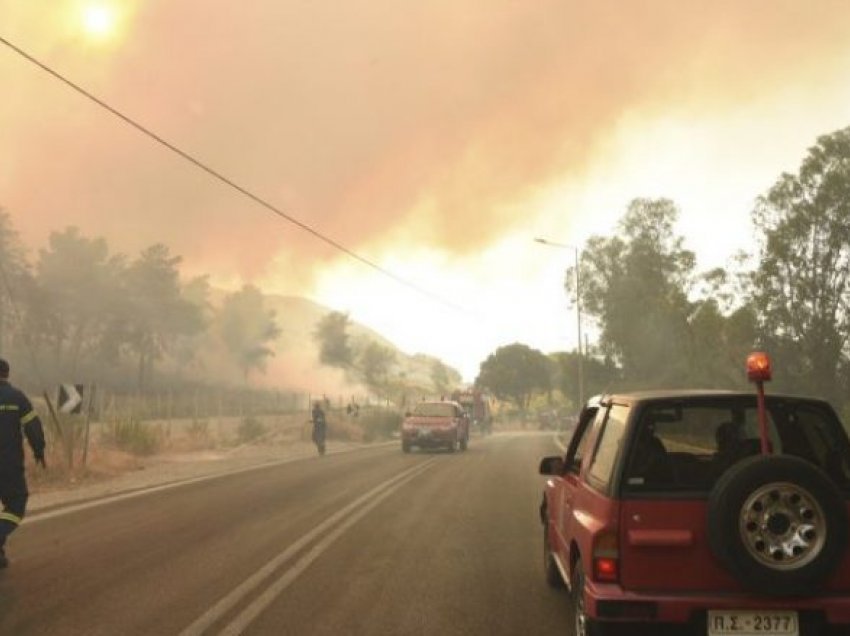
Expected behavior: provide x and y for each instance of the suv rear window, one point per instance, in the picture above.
(434, 409)
(687, 445)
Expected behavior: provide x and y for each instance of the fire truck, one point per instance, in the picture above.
(477, 405)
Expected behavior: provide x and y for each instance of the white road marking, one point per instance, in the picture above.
(365, 503)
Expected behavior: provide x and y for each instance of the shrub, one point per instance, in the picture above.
(198, 435)
(133, 436)
(199, 429)
(341, 430)
(250, 429)
(380, 423)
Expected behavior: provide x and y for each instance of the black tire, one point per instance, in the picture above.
(583, 625)
(405, 447)
(453, 445)
(778, 524)
(550, 568)
(464, 443)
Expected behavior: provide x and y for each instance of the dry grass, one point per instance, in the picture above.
(179, 440)
(102, 463)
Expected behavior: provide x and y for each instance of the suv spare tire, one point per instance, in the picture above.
(777, 523)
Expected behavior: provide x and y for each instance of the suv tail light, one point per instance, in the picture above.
(605, 569)
(606, 558)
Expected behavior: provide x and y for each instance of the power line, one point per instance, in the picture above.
(227, 181)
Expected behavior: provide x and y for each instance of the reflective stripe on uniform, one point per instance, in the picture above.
(9, 407)
(29, 417)
(8, 516)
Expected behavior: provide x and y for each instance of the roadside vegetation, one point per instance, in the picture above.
(141, 331)
(380, 424)
(77, 310)
(663, 323)
(169, 362)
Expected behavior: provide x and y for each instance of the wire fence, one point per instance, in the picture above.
(204, 418)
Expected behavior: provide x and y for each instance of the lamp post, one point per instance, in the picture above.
(577, 251)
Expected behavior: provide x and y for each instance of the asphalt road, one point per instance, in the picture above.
(372, 542)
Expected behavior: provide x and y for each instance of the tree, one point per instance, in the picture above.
(331, 334)
(158, 312)
(719, 344)
(599, 376)
(443, 377)
(374, 363)
(78, 281)
(14, 275)
(802, 284)
(636, 286)
(661, 323)
(514, 372)
(247, 328)
(188, 347)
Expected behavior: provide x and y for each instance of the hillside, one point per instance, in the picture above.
(296, 363)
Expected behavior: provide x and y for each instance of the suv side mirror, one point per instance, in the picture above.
(552, 465)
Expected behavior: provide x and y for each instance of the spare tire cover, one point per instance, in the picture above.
(778, 524)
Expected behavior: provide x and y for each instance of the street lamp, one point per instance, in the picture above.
(577, 251)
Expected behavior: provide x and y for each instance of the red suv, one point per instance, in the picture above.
(440, 424)
(727, 512)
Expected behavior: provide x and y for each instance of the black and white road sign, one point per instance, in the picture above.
(70, 398)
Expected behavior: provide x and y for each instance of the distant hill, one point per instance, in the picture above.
(296, 363)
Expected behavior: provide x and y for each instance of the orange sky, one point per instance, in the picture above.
(437, 138)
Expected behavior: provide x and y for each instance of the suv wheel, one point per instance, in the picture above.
(583, 625)
(464, 443)
(778, 524)
(553, 574)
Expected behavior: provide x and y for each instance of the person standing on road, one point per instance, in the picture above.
(17, 419)
(320, 427)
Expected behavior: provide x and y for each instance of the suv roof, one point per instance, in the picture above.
(630, 397)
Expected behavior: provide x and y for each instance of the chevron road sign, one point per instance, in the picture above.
(70, 398)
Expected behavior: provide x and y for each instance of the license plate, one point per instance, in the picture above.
(753, 623)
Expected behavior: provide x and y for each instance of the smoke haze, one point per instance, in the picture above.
(362, 118)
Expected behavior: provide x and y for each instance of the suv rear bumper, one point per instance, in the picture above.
(607, 601)
(433, 438)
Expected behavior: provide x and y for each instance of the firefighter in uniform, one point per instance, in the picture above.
(320, 427)
(17, 420)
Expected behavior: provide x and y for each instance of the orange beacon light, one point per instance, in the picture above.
(758, 367)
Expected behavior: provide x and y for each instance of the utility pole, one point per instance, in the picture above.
(579, 343)
(577, 252)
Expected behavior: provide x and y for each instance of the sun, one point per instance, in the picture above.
(99, 21)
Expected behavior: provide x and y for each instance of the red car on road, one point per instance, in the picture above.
(723, 511)
(442, 424)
